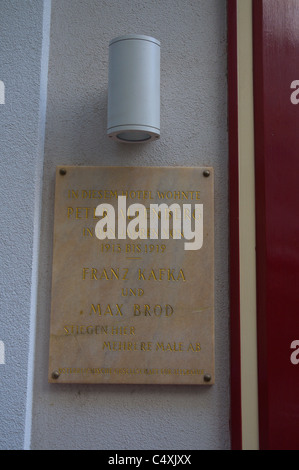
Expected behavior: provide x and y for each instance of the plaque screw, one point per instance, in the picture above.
(62, 171)
(207, 378)
(55, 374)
(206, 173)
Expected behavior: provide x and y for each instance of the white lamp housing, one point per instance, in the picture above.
(134, 89)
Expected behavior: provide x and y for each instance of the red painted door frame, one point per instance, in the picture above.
(276, 104)
(276, 67)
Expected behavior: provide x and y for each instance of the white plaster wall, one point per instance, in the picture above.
(23, 70)
(193, 132)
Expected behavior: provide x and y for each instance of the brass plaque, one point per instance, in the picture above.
(133, 276)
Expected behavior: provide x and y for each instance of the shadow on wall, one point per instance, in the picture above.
(77, 129)
(77, 126)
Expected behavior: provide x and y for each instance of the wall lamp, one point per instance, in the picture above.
(134, 89)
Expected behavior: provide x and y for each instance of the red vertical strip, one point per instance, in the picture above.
(260, 196)
(276, 52)
(236, 417)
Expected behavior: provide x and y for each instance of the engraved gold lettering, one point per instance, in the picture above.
(181, 275)
(98, 194)
(115, 274)
(168, 310)
(125, 292)
(152, 275)
(126, 270)
(169, 347)
(145, 346)
(84, 271)
(76, 330)
(106, 345)
(140, 275)
(78, 213)
(101, 329)
(123, 330)
(87, 232)
(178, 195)
(117, 346)
(107, 274)
(70, 212)
(73, 194)
(119, 312)
(194, 348)
(93, 274)
(104, 275)
(106, 310)
(146, 310)
(155, 311)
(161, 274)
(137, 311)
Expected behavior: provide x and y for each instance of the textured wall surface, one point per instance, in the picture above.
(21, 152)
(193, 132)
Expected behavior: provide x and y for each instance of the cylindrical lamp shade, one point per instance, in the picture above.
(134, 89)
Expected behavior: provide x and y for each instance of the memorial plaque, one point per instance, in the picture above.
(133, 276)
